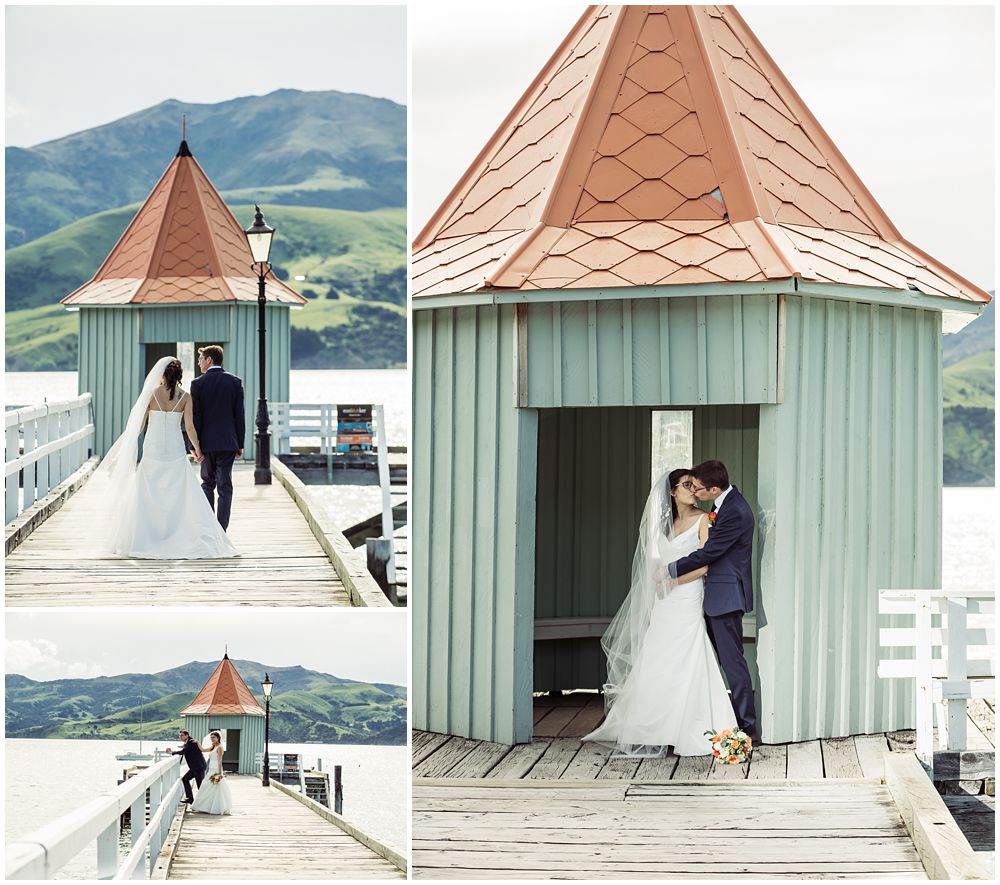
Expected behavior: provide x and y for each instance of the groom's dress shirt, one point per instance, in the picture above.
(717, 504)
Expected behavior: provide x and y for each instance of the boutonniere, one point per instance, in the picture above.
(711, 519)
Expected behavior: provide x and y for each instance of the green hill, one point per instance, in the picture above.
(307, 706)
(323, 149)
(969, 421)
(354, 264)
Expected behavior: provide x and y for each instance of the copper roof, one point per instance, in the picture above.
(183, 246)
(225, 692)
(662, 145)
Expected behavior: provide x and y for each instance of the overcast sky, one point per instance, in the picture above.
(905, 92)
(70, 68)
(366, 645)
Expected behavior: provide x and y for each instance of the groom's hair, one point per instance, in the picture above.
(182, 731)
(711, 474)
(213, 352)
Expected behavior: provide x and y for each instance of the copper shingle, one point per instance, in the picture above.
(225, 692)
(183, 246)
(661, 145)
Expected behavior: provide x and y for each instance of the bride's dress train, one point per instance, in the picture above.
(213, 798)
(165, 514)
(674, 693)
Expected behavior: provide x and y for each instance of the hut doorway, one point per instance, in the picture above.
(184, 351)
(231, 754)
(595, 468)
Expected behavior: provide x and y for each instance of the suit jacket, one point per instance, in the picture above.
(217, 403)
(729, 582)
(192, 755)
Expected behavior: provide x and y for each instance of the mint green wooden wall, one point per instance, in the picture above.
(850, 482)
(112, 355)
(251, 735)
(652, 351)
(473, 524)
(847, 490)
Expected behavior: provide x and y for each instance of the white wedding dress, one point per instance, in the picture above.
(674, 693)
(165, 514)
(213, 798)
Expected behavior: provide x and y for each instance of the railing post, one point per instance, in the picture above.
(925, 698)
(388, 525)
(12, 444)
(42, 466)
(957, 670)
(29, 481)
(107, 851)
(155, 840)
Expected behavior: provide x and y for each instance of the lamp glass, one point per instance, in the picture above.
(260, 245)
(267, 685)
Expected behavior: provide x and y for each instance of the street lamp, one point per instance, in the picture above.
(259, 236)
(267, 685)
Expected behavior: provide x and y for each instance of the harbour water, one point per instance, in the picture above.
(48, 778)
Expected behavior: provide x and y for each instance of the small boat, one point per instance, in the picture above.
(140, 756)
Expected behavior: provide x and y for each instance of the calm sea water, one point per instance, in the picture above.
(389, 387)
(49, 778)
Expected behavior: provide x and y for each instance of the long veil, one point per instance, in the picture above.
(623, 640)
(120, 463)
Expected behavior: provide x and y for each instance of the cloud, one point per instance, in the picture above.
(33, 656)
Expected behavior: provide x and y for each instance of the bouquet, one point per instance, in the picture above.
(730, 746)
(216, 778)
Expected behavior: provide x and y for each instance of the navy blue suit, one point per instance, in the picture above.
(196, 765)
(220, 422)
(728, 594)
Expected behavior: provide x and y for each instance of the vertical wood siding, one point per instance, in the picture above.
(207, 324)
(474, 457)
(111, 368)
(850, 482)
(251, 735)
(652, 352)
(593, 479)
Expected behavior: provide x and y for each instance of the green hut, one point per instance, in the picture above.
(225, 704)
(661, 226)
(179, 277)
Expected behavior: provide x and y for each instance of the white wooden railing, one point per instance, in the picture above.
(948, 652)
(41, 854)
(44, 445)
(319, 421)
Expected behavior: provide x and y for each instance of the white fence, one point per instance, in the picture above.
(949, 652)
(318, 421)
(40, 855)
(43, 445)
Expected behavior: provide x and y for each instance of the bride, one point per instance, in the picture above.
(159, 510)
(664, 684)
(214, 795)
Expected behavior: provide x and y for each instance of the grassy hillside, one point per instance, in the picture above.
(307, 706)
(354, 264)
(326, 149)
(969, 421)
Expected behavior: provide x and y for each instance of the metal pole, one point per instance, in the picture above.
(262, 472)
(266, 779)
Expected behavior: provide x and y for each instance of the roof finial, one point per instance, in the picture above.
(184, 150)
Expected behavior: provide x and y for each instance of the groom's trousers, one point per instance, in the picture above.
(217, 475)
(198, 776)
(726, 633)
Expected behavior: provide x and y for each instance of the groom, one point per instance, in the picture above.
(219, 421)
(195, 762)
(728, 584)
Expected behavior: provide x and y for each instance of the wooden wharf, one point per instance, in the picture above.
(560, 807)
(269, 835)
(289, 557)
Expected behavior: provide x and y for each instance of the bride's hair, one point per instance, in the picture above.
(216, 735)
(172, 374)
(673, 479)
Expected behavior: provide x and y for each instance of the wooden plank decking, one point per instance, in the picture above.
(840, 829)
(281, 562)
(271, 836)
(558, 753)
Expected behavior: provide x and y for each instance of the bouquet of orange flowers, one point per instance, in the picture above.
(730, 746)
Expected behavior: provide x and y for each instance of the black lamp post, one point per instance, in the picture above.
(267, 685)
(259, 236)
